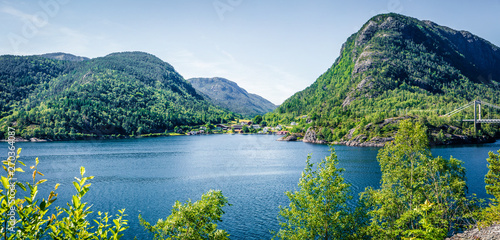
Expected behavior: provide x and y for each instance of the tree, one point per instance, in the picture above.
(319, 210)
(420, 196)
(491, 214)
(257, 119)
(245, 129)
(196, 220)
(492, 178)
(209, 126)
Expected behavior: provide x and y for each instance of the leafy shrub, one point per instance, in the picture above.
(196, 220)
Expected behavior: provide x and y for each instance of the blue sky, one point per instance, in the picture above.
(271, 48)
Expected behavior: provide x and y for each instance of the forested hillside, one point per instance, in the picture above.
(229, 95)
(127, 93)
(393, 68)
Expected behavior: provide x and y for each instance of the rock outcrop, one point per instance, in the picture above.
(291, 137)
(360, 141)
(489, 233)
(311, 137)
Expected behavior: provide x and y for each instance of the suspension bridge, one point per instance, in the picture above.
(477, 113)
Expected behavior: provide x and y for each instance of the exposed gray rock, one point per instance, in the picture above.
(33, 139)
(311, 137)
(489, 233)
(367, 33)
(290, 138)
(363, 63)
(348, 100)
(360, 141)
(348, 136)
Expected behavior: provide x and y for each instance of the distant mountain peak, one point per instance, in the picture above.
(227, 94)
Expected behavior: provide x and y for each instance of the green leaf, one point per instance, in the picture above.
(43, 205)
(76, 201)
(41, 181)
(5, 182)
(77, 187)
(21, 185)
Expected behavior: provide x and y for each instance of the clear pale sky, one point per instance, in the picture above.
(273, 48)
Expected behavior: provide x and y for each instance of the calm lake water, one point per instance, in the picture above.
(146, 176)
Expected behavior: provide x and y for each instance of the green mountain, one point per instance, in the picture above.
(229, 95)
(122, 93)
(398, 67)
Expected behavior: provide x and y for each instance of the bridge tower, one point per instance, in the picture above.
(477, 122)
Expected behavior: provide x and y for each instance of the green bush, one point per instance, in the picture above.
(196, 220)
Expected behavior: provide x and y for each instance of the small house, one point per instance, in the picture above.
(222, 126)
(237, 127)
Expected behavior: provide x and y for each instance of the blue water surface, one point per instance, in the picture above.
(147, 175)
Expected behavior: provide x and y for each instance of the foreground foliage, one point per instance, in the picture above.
(28, 217)
(319, 209)
(420, 196)
(196, 220)
(491, 214)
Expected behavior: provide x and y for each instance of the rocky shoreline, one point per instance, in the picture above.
(311, 137)
(361, 140)
(18, 139)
